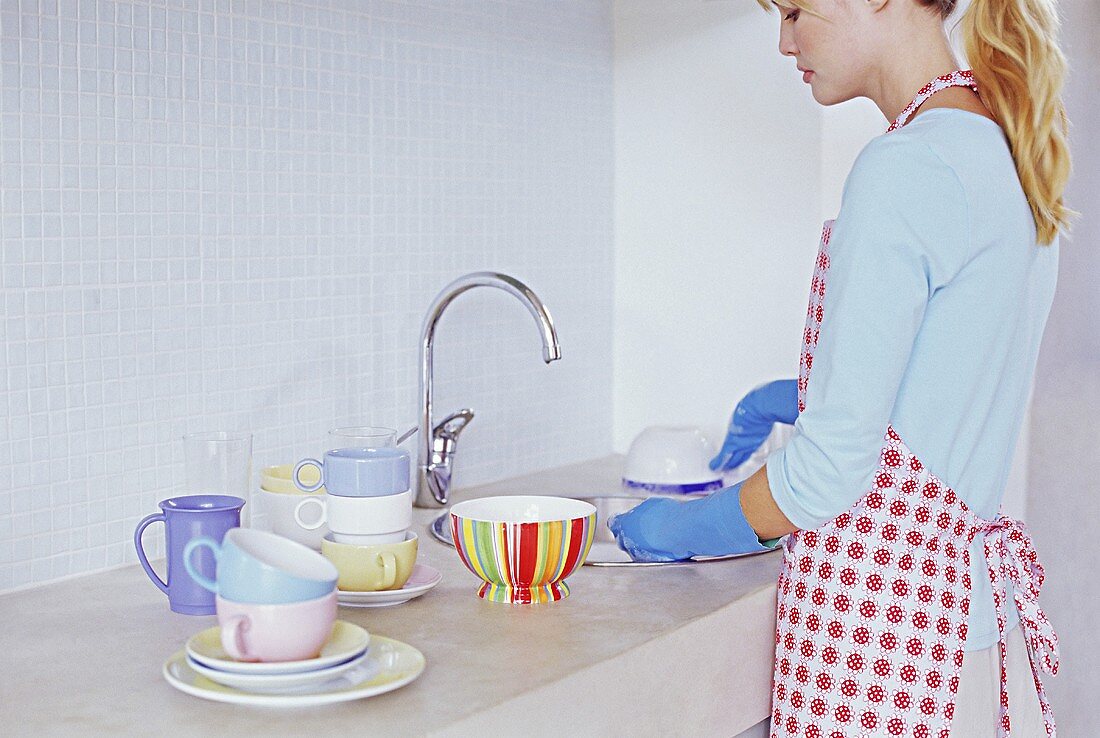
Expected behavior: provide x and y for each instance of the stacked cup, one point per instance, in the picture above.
(367, 507)
(275, 598)
(277, 499)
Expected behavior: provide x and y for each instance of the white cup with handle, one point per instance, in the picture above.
(361, 521)
(277, 510)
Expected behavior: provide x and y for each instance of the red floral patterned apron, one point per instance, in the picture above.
(872, 606)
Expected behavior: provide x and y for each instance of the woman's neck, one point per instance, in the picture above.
(962, 98)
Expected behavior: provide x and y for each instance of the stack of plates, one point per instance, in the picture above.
(351, 665)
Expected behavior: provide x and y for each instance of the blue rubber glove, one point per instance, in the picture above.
(666, 529)
(751, 424)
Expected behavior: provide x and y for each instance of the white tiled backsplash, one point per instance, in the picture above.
(222, 214)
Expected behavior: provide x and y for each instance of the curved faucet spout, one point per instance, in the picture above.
(436, 445)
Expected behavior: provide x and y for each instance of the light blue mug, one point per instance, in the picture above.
(359, 472)
(259, 567)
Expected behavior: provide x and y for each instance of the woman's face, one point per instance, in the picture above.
(832, 49)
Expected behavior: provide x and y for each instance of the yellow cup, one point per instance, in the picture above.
(374, 567)
(279, 479)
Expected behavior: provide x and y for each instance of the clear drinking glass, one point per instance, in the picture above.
(218, 463)
(362, 436)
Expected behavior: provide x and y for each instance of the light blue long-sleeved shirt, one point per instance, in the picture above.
(936, 301)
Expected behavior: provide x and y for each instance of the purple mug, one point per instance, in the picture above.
(185, 518)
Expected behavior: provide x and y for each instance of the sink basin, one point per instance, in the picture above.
(605, 552)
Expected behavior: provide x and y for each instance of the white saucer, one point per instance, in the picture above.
(390, 664)
(276, 682)
(347, 641)
(422, 579)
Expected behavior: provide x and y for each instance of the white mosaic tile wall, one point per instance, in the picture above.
(232, 214)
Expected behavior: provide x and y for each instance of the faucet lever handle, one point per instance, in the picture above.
(444, 443)
(451, 426)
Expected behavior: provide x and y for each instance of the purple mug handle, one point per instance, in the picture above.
(145, 523)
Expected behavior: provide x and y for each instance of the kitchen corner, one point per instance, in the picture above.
(86, 653)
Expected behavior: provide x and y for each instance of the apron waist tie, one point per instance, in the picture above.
(1012, 560)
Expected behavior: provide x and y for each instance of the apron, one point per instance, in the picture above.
(872, 607)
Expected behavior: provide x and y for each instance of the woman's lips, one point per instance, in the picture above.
(807, 74)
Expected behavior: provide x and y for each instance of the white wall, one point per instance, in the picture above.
(845, 130)
(1065, 435)
(717, 204)
(233, 216)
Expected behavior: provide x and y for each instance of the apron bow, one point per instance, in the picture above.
(1011, 557)
(1013, 560)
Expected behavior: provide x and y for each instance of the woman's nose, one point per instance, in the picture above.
(787, 46)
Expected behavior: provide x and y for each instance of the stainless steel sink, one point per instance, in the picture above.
(605, 551)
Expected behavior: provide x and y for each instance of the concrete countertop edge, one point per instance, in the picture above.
(675, 660)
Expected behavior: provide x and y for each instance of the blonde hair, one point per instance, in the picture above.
(1012, 47)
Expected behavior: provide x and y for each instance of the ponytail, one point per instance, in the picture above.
(1012, 47)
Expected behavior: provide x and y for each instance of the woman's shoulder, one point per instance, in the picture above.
(902, 191)
(957, 137)
(901, 165)
(940, 144)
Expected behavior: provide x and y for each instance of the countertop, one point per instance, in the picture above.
(684, 650)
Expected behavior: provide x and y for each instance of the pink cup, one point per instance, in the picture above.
(285, 632)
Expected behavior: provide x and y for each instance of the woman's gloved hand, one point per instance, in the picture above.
(666, 529)
(752, 420)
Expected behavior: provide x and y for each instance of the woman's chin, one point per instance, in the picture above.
(826, 97)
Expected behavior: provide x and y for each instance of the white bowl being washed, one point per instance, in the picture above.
(671, 459)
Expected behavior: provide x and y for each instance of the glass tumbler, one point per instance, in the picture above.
(219, 463)
(362, 436)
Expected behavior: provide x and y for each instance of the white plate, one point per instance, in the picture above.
(390, 664)
(347, 641)
(275, 682)
(422, 579)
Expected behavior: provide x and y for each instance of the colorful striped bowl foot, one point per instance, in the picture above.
(523, 595)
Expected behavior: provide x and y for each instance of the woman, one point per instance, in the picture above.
(901, 586)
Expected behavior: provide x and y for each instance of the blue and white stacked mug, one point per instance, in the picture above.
(367, 500)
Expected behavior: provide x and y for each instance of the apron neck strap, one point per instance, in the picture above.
(958, 78)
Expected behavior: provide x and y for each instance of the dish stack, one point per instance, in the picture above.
(345, 651)
(275, 598)
(351, 665)
(278, 640)
(367, 508)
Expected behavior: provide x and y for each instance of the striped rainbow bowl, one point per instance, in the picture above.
(523, 547)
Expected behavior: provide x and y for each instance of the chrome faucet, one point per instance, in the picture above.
(437, 444)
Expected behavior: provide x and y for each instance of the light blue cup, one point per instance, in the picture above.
(359, 472)
(255, 566)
